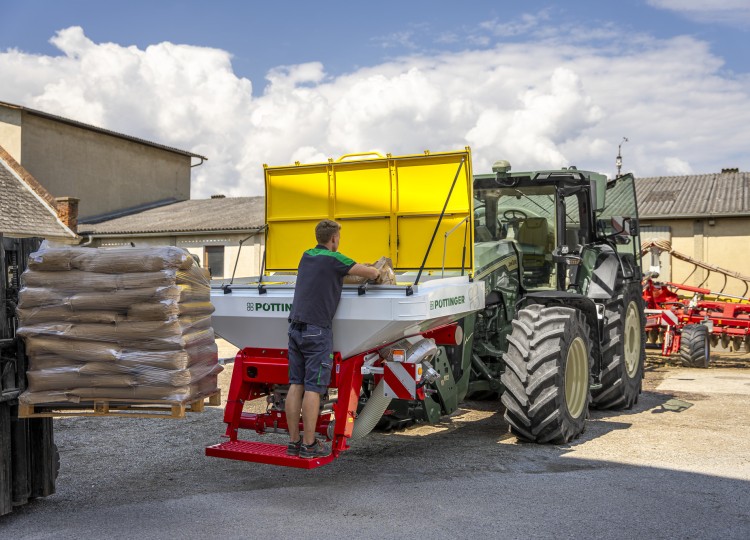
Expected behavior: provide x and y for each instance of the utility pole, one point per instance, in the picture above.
(618, 161)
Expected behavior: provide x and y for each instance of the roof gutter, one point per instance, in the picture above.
(172, 233)
(712, 215)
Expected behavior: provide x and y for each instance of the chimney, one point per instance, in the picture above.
(67, 211)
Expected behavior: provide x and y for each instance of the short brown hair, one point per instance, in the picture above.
(325, 230)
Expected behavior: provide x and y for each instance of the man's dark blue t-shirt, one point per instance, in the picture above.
(320, 277)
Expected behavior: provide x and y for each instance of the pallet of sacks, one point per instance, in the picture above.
(116, 326)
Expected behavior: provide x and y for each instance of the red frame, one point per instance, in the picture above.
(257, 370)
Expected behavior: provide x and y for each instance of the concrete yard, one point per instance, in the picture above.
(675, 466)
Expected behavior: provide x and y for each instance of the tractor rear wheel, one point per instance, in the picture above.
(548, 374)
(623, 350)
(695, 348)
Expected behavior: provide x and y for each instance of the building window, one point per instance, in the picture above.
(214, 260)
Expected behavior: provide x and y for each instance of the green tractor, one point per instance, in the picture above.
(563, 324)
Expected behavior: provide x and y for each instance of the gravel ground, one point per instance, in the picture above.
(675, 466)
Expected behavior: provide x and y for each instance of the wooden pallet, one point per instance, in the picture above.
(132, 408)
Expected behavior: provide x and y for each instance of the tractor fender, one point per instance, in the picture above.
(568, 299)
(600, 272)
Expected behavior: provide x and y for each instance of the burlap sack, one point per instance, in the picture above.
(123, 260)
(104, 368)
(171, 360)
(110, 260)
(54, 260)
(198, 337)
(76, 350)
(124, 298)
(179, 377)
(65, 378)
(168, 309)
(39, 362)
(47, 314)
(385, 267)
(195, 276)
(31, 297)
(207, 385)
(47, 397)
(113, 300)
(77, 280)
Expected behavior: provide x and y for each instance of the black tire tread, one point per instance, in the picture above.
(692, 345)
(533, 374)
(617, 390)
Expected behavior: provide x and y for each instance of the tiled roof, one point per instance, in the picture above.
(697, 195)
(720, 194)
(99, 130)
(195, 215)
(26, 208)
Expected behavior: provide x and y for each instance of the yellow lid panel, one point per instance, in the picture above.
(387, 206)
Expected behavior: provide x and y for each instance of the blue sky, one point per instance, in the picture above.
(543, 83)
(345, 35)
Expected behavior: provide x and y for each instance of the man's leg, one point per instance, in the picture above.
(310, 412)
(293, 409)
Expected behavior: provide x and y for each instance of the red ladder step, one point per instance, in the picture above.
(257, 452)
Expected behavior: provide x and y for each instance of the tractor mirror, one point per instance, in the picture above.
(618, 226)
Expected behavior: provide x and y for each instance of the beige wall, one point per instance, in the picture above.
(10, 132)
(247, 266)
(106, 173)
(726, 244)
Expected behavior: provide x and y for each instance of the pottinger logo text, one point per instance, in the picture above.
(447, 302)
(264, 306)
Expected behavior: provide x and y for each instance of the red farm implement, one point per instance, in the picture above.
(693, 323)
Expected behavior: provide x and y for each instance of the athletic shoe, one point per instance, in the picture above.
(316, 449)
(292, 449)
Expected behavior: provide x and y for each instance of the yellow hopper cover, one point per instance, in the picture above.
(386, 206)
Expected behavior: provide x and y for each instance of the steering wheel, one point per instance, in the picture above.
(514, 215)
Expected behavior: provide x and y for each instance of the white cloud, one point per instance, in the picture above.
(730, 12)
(539, 105)
(674, 166)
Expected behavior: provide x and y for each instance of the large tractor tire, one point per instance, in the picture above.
(548, 374)
(623, 350)
(695, 346)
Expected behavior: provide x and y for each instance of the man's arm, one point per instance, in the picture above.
(369, 272)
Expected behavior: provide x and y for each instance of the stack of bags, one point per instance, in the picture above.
(119, 324)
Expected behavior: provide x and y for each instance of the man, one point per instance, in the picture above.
(320, 278)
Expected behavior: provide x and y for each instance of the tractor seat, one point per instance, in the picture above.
(533, 242)
(532, 236)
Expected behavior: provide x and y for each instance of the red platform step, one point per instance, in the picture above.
(257, 452)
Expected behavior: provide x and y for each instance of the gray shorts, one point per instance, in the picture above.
(310, 356)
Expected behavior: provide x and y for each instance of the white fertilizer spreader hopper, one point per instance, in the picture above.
(390, 334)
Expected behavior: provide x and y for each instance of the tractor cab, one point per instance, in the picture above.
(551, 219)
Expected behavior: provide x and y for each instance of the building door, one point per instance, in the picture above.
(214, 261)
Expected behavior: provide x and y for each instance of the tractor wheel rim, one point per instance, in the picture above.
(576, 377)
(632, 340)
